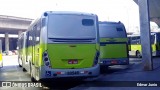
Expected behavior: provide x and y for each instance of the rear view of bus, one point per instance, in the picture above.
(113, 44)
(135, 47)
(70, 46)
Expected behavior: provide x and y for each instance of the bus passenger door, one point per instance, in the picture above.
(34, 44)
(37, 45)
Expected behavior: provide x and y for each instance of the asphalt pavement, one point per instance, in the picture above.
(131, 77)
(119, 77)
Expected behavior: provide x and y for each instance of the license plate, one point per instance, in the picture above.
(72, 61)
(73, 72)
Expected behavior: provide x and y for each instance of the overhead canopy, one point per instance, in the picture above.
(154, 9)
(12, 25)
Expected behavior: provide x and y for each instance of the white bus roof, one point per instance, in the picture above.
(68, 12)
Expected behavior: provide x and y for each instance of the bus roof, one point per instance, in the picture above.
(109, 22)
(68, 13)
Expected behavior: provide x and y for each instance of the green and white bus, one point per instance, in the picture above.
(113, 44)
(135, 48)
(61, 44)
(1, 60)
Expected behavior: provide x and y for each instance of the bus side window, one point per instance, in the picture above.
(34, 34)
(138, 40)
(27, 41)
(129, 40)
(37, 33)
(133, 41)
(30, 38)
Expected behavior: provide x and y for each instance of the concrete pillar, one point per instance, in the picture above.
(145, 34)
(6, 42)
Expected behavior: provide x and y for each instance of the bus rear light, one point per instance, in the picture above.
(45, 54)
(114, 62)
(47, 63)
(46, 60)
(60, 72)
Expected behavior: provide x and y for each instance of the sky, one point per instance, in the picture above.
(125, 11)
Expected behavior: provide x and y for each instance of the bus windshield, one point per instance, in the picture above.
(71, 26)
(112, 31)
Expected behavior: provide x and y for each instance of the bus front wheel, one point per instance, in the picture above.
(138, 54)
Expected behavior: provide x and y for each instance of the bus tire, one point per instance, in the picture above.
(33, 79)
(24, 70)
(103, 69)
(138, 54)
